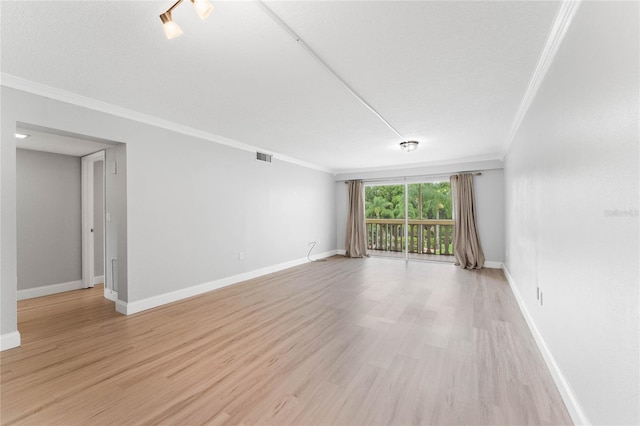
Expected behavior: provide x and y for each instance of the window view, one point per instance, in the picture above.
(429, 234)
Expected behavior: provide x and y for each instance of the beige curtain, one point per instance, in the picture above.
(356, 242)
(466, 244)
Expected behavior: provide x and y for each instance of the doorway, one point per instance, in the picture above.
(410, 221)
(63, 195)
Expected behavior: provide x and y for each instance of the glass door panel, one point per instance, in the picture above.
(430, 224)
(385, 220)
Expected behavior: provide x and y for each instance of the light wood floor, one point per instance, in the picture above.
(348, 341)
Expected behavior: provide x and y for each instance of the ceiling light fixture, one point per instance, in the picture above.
(408, 146)
(21, 136)
(202, 7)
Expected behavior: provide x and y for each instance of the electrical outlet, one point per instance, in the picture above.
(241, 255)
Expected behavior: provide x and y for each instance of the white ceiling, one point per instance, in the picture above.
(450, 74)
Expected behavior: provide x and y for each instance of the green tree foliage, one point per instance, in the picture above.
(382, 202)
(436, 200)
(387, 202)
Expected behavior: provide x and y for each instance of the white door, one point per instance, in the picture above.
(88, 225)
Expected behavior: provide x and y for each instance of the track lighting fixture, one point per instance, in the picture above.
(409, 146)
(171, 29)
(202, 7)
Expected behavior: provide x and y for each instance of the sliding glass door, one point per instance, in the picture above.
(411, 221)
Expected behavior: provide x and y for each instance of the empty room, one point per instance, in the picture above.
(320, 212)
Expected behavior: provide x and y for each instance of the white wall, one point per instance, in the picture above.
(573, 164)
(116, 272)
(489, 190)
(192, 205)
(49, 219)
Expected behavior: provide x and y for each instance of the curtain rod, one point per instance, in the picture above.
(391, 179)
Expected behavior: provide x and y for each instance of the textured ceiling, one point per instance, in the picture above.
(448, 74)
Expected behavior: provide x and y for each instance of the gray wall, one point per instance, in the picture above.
(49, 219)
(572, 194)
(489, 192)
(8, 227)
(342, 211)
(98, 217)
(191, 204)
(489, 189)
(195, 207)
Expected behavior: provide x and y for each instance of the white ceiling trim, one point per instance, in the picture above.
(561, 23)
(29, 86)
(494, 159)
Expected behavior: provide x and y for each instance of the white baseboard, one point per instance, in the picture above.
(110, 295)
(569, 397)
(98, 280)
(47, 290)
(9, 341)
(129, 308)
(341, 252)
(122, 307)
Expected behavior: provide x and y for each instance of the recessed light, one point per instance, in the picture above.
(21, 136)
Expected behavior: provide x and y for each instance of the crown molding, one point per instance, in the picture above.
(416, 166)
(561, 23)
(22, 84)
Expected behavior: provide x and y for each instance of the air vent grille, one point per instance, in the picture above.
(261, 156)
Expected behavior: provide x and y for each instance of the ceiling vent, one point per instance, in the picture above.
(261, 156)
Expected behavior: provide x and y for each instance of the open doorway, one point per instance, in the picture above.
(410, 221)
(62, 236)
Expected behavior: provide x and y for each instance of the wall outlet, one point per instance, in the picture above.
(241, 256)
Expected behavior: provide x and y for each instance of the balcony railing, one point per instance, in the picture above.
(425, 236)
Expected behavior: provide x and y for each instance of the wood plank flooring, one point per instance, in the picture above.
(342, 342)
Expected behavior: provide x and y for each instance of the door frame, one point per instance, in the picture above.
(88, 225)
(405, 183)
